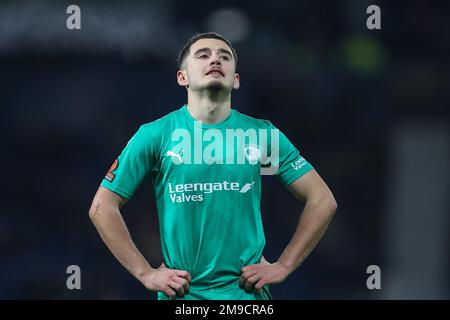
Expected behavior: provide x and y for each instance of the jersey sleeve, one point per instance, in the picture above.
(291, 164)
(134, 163)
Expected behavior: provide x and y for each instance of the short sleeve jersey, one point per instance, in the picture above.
(207, 185)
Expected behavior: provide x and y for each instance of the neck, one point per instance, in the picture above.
(209, 108)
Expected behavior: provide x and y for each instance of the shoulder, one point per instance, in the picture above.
(252, 121)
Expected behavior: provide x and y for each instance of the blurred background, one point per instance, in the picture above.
(368, 108)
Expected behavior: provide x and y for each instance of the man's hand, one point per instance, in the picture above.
(255, 276)
(174, 283)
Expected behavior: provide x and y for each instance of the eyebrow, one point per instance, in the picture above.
(221, 50)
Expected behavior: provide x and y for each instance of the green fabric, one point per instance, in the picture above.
(209, 214)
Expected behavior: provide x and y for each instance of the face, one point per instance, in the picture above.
(210, 65)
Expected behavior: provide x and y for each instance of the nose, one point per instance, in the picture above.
(215, 60)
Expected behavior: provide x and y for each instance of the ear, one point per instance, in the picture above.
(236, 82)
(182, 78)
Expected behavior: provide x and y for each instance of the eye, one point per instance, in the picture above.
(203, 56)
(226, 58)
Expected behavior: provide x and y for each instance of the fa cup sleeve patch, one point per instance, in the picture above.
(110, 175)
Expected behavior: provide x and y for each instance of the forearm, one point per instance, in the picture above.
(313, 223)
(112, 229)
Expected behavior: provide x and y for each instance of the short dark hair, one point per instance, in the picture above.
(208, 35)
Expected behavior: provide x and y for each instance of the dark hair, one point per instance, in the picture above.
(209, 35)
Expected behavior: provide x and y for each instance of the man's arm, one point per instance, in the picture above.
(106, 216)
(319, 209)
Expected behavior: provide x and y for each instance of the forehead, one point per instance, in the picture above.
(213, 44)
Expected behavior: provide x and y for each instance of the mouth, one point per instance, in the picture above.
(215, 72)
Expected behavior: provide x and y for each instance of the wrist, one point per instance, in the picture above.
(288, 268)
(142, 274)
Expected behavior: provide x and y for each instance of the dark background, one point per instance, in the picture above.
(368, 108)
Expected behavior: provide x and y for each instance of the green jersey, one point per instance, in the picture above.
(207, 184)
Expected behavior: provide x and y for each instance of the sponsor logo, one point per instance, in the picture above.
(187, 192)
(297, 165)
(176, 157)
(246, 187)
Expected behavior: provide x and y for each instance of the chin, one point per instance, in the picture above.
(216, 85)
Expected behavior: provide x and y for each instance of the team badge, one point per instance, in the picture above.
(252, 153)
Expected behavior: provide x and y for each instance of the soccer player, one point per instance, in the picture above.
(207, 184)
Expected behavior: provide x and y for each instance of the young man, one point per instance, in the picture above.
(207, 179)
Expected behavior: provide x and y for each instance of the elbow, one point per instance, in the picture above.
(94, 210)
(327, 203)
(332, 204)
